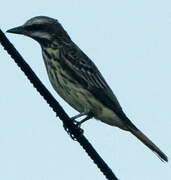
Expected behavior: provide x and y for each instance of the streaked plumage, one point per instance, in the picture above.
(76, 78)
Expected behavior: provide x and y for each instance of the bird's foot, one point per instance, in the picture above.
(81, 131)
(78, 124)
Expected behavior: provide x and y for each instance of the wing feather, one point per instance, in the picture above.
(85, 69)
(87, 74)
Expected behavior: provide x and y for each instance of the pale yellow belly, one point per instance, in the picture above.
(83, 101)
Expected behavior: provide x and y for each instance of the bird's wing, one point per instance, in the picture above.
(87, 74)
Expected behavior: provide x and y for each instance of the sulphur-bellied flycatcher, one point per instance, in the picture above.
(76, 78)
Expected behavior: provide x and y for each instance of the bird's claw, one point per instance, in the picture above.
(73, 137)
(78, 124)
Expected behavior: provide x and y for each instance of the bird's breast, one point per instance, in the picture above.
(73, 93)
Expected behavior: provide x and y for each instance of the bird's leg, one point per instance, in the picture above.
(88, 115)
(79, 115)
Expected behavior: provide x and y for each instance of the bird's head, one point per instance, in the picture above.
(42, 29)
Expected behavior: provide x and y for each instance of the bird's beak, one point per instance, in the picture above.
(17, 30)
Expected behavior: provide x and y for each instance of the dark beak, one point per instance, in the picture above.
(17, 30)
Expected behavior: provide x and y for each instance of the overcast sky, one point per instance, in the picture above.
(130, 42)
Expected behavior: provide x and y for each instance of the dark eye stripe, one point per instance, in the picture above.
(35, 27)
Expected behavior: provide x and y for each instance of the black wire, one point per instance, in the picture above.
(73, 130)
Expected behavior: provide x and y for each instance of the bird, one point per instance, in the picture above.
(75, 77)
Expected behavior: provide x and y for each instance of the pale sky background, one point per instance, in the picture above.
(130, 42)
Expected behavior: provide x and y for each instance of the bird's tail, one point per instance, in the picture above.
(144, 139)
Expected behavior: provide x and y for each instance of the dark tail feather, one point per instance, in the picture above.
(143, 138)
